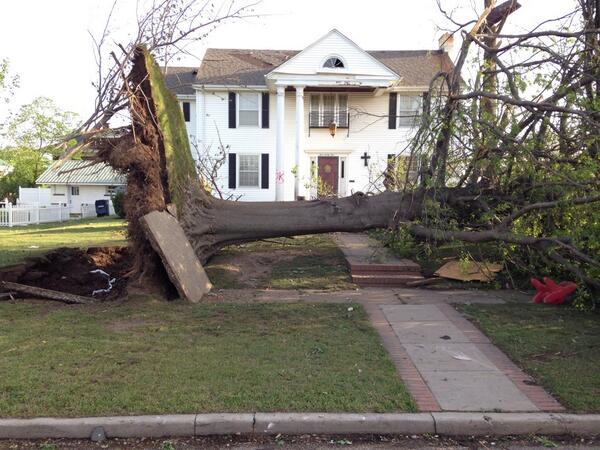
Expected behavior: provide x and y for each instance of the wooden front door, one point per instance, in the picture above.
(328, 176)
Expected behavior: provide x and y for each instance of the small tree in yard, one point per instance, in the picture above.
(118, 200)
(33, 135)
(511, 159)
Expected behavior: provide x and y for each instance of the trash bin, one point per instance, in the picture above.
(101, 208)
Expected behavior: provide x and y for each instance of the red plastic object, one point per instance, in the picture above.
(558, 296)
(550, 292)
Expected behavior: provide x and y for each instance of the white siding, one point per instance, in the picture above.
(252, 140)
(191, 125)
(88, 194)
(356, 60)
(368, 133)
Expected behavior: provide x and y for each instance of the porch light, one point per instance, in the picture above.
(332, 128)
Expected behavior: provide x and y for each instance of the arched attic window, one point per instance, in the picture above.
(333, 63)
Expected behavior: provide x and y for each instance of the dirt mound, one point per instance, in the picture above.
(70, 270)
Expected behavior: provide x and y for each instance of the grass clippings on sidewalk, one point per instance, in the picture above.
(17, 243)
(147, 356)
(558, 346)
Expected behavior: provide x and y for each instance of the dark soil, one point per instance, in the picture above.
(69, 270)
(315, 442)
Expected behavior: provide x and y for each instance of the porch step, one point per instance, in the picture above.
(404, 266)
(386, 279)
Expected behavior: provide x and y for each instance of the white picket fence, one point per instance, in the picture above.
(11, 215)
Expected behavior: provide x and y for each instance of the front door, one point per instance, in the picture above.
(328, 176)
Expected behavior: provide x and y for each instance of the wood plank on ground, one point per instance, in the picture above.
(46, 293)
(181, 263)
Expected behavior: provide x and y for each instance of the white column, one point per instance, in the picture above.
(279, 147)
(299, 189)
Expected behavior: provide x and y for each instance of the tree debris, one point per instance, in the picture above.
(47, 293)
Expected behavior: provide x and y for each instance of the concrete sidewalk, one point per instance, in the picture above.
(446, 363)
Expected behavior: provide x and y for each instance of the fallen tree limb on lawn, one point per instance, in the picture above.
(47, 293)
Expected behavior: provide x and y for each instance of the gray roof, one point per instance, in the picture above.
(238, 67)
(79, 172)
(180, 79)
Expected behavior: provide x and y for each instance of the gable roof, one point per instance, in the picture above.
(241, 67)
(337, 38)
(81, 172)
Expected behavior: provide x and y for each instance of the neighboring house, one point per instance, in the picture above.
(81, 182)
(332, 111)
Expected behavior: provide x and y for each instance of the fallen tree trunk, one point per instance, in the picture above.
(211, 223)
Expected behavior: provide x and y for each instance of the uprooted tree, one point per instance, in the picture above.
(512, 158)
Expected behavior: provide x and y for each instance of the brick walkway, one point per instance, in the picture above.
(449, 365)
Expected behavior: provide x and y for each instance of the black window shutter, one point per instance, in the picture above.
(265, 110)
(264, 170)
(425, 104)
(392, 112)
(186, 111)
(232, 108)
(232, 170)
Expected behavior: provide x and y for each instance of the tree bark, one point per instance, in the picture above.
(211, 223)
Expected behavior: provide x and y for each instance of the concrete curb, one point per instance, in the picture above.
(348, 423)
(444, 423)
(498, 424)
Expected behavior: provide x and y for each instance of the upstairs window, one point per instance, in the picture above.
(333, 63)
(410, 108)
(186, 111)
(327, 108)
(248, 109)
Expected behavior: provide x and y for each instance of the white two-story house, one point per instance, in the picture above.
(297, 124)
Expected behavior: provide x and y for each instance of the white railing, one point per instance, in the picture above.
(11, 216)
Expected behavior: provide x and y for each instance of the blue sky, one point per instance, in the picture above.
(49, 46)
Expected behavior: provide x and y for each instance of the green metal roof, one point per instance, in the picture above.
(81, 172)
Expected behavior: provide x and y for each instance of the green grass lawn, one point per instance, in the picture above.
(19, 242)
(558, 346)
(146, 356)
(304, 262)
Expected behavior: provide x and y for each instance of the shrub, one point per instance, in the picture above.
(118, 199)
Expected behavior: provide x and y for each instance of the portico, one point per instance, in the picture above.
(310, 71)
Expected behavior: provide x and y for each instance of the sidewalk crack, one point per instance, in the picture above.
(435, 430)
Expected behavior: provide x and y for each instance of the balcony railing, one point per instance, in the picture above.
(323, 119)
